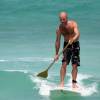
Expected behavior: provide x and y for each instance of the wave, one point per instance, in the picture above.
(24, 71)
(3, 60)
(27, 59)
(35, 59)
(15, 84)
(45, 86)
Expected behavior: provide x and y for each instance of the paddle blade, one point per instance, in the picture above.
(43, 74)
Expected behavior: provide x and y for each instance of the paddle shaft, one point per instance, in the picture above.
(58, 56)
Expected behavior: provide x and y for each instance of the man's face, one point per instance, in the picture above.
(63, 19)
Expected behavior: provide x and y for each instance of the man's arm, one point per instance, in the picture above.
(57, 43)
(76, 31)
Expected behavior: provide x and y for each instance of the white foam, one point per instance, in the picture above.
(3, 60)
(34, 59)
(27, 59)
(89, 90)
(85, 90)
(45, 89)
(83, 76)
(45, 86)
(24, 71)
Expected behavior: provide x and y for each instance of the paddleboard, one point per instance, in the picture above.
(66, 90)
(65, 93)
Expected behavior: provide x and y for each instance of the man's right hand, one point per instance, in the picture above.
(56, 57)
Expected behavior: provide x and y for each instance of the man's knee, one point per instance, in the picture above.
(64, 64)
(74, 66)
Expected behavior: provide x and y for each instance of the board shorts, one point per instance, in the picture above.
(72, 53)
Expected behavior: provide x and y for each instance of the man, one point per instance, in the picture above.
(69, 30)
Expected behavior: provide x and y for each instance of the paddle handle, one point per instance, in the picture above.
(58, 56)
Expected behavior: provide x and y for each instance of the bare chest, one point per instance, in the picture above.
(67, 30)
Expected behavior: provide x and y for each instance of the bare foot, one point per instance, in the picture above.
(74, 85)
(61, 86)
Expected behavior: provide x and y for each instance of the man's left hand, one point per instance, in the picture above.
(71, 41)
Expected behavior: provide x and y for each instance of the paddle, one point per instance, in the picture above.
(44, 74)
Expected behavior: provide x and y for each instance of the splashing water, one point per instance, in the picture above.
(45, 86)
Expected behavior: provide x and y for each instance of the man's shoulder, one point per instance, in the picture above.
(58, 30)
(72, 22)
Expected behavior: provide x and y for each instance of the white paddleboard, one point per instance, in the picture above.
(67, 89)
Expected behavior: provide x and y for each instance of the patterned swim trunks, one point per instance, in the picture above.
(72, 53)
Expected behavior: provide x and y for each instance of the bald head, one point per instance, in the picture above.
(63, 17)
(63, 14)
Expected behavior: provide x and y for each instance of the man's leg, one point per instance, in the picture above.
(74, 75)
(62, 73)
(75, 62)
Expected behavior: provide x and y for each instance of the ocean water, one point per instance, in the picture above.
(27, 37)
